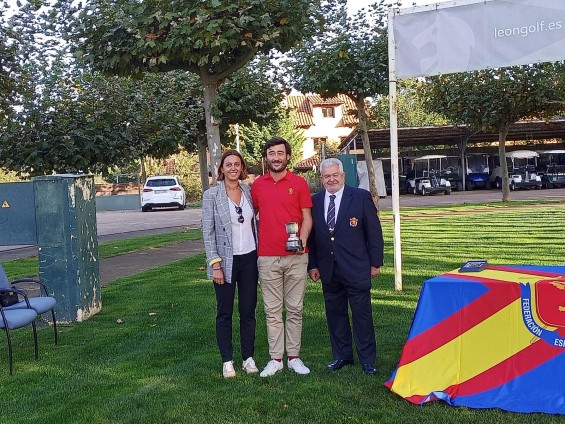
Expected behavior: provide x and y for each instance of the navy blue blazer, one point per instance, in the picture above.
(357, 241)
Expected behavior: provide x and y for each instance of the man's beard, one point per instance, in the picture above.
(273, 169)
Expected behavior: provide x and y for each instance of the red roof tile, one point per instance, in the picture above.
(302, 110)
(318, 100)
(307, 164)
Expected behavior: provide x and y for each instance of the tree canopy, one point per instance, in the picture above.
(81, 121)
(88, 122)
(211, 39)
(249, 95)
(65, 118)
(494, 99)
(14, 50)
(410, 105)
(254, 135)
(351, 58)
(8, 82)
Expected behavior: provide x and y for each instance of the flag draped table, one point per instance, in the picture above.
(488, 339)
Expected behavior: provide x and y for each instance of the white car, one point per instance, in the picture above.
(162, 191)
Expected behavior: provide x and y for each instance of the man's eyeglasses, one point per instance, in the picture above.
(239, 211)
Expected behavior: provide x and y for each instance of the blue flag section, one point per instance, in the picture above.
(488, 339)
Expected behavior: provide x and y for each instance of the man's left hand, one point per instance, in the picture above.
(375, 271)
(314, 274)
(303, 250)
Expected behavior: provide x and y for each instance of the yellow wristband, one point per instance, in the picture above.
(214, 261)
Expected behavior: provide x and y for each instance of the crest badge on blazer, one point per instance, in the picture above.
(353, 222)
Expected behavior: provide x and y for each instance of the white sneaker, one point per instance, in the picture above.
(298, 366)
(249, 366)
(272, 368)
(228, 370)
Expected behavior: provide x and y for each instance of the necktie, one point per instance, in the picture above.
(330, 219)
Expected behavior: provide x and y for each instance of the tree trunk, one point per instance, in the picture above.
(503, 165)
(462, 151)
(212, 125)
(367, 149)
(203, 160)
(143, 169)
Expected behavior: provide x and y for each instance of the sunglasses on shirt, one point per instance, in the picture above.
(239, 211)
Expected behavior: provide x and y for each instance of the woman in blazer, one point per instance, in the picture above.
(229, 232)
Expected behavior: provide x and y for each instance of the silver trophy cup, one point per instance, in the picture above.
(293, 244)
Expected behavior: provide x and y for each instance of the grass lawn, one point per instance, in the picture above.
(161, 363)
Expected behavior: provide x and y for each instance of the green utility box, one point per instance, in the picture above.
(350, 168)
(17, 214)
(65, 215)
(58, 213)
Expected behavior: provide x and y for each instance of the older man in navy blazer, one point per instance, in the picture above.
(346, 251)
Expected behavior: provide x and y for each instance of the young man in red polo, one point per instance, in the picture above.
(281, 197)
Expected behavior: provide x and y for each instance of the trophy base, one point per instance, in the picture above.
(294, 245)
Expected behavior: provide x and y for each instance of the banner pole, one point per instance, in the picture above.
(395, 180)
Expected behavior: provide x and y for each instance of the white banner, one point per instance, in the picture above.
(480, 34)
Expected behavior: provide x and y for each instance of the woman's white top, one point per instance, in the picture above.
(243, 240)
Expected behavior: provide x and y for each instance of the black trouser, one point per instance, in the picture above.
(338, 293)
(244, 276)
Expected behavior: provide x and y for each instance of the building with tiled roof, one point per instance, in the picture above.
(308, 164)
(323, 120)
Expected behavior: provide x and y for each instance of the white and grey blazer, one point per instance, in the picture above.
(216, 226)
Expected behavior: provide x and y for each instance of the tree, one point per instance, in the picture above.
(212, 39)
(93, 122)
(282, 125)
(14, 45)
(351, 59)
(248, 95)
(410, 106)
(7, 63)
(87, 122)
(496, 98)
(249, 98)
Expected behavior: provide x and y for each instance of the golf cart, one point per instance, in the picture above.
(426, 177)
(521, 171)
(551, 168)
(451, 171)
(477, 175)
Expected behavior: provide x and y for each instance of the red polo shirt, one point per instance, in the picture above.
(278, 203)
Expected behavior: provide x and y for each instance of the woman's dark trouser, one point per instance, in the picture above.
(244, 276)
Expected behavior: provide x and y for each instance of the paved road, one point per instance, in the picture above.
(136, 262)
(123, 224)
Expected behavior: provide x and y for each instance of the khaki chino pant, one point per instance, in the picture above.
(283, 283)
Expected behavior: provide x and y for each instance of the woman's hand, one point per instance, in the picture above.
(218, 275)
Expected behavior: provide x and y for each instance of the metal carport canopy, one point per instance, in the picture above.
(453, 135)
